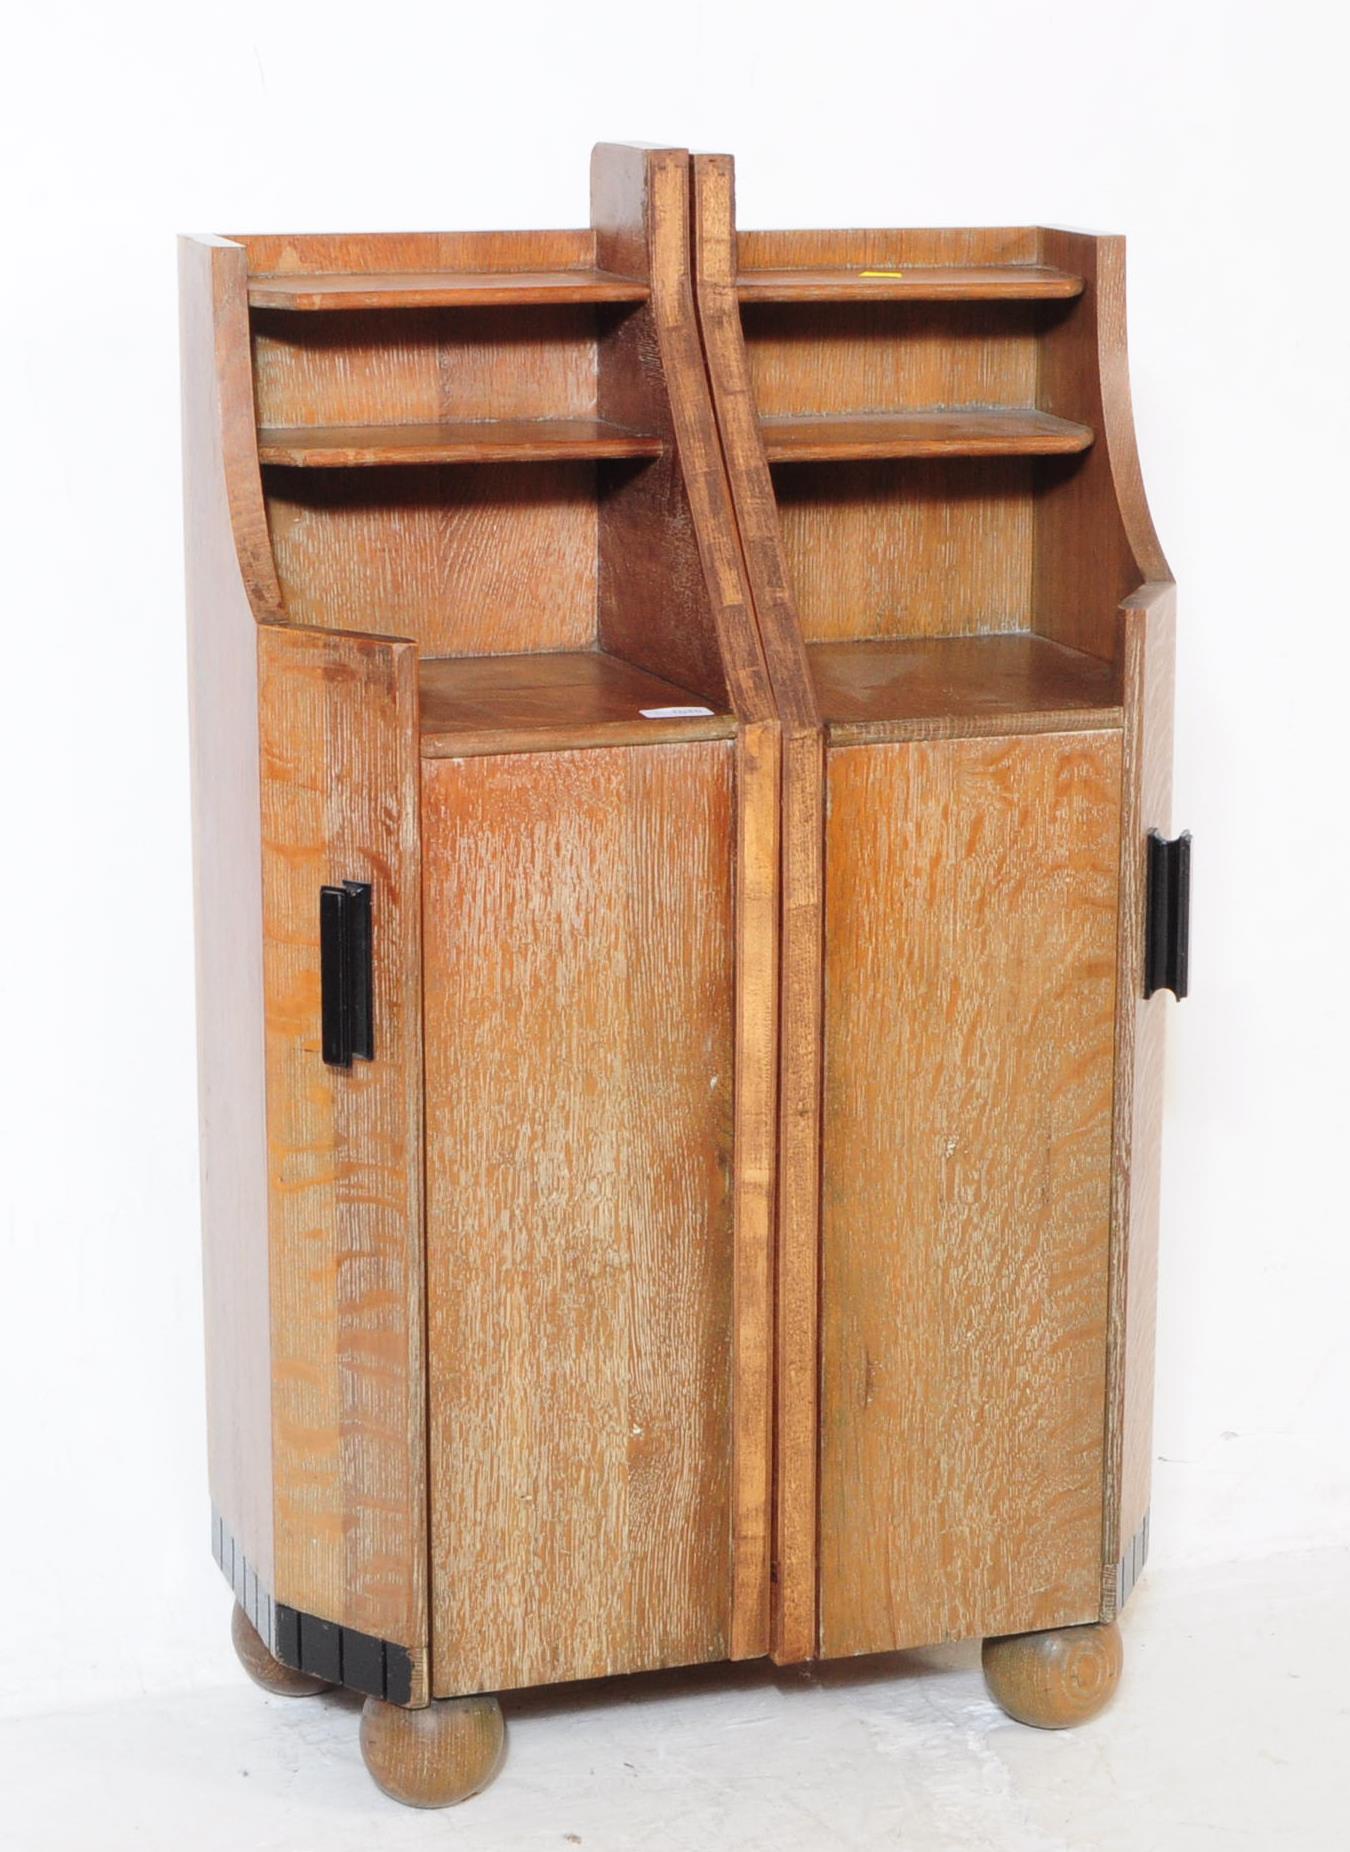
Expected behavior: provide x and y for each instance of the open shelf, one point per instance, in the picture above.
(445, 289)
(489, 440)
(912, 283)
(567, 698)
(995, 431)
(930, 687)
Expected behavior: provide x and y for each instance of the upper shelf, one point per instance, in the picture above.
(442, 289)
(912, 283)
(1000, 431)
(489, 440)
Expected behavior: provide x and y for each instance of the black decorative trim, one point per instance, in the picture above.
(325, 1649)
(1131, 1565)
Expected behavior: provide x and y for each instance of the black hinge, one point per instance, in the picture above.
(1167, 937)
(346, 973)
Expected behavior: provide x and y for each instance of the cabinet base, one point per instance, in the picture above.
(264, 1668)
(436, 1756)
(1055, 1679)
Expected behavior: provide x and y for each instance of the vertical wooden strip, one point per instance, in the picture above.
(798, 1315)
(579, 971)
(340, 802)
(757, 852)
(674, 595)
(970, 994)
(797, 1260)
(1149, 654)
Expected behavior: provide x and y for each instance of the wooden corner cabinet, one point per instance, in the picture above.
(681, 736)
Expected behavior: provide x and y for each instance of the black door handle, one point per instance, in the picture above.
(346, 973)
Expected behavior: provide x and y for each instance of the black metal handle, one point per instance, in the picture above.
(1167, 937)
(346, 971)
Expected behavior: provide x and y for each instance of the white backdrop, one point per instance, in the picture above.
(1203, 131)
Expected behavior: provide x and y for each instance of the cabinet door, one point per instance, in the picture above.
(971, 917)
(579, 1074)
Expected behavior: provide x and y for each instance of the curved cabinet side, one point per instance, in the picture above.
(230, 583)
(340, 802)
(1105, 586)
(304, 755)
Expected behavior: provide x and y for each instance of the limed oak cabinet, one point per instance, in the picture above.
(681, 744)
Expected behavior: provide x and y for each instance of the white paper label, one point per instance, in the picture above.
(673, 713)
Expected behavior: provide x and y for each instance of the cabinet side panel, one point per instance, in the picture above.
(227, 866)
(970, 955)
(1149, 657)
(579, 1004)
(340, 803)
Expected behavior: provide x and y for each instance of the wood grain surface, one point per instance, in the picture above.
(441, 289)
(419, 553)
(1095, 544)
(384, 254)
(338, 733)
(436, 1756)
(797, 1252)
(913, 283)
(425, 366)
(580, 1067)
(696, 624)
(568, 697)
(1149, 623)
(485, 440)
(1002, 431)
(970, 953)
(914, 688)
(817, 360)
(916, 549)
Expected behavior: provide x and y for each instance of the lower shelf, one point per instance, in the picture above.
(927, 687)
(552, 702)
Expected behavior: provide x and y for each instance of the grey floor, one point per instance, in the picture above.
(1231, 1730)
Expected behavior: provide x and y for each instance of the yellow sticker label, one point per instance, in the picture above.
(881, 273)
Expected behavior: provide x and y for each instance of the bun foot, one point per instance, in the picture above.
(263, 1668)
(435, 1756)
(1056, 1679)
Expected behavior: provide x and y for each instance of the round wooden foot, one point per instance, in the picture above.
(435, 1756)
(1055, 1679)
(262, 1668)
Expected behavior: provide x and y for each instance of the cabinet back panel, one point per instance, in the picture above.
(970, 950)
(579, 1067)
(814, 358)
(422, 366)
(467, 560)
(908, 549)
